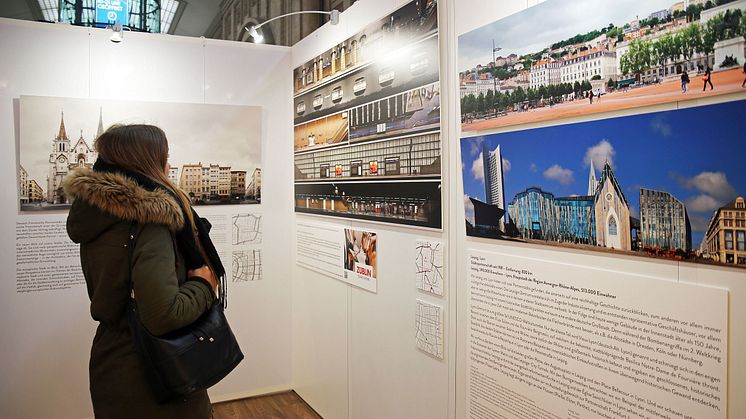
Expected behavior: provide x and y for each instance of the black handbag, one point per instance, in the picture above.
(187, 360)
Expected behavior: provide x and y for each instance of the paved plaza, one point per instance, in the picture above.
(725, 82)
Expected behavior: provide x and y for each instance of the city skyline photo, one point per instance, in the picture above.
(222, 135)
(695, 155)
(563, 58)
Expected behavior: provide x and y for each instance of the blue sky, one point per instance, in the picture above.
(696, 154)
(552, 21)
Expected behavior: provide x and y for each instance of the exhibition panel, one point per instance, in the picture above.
(191, 88)
(583, 150)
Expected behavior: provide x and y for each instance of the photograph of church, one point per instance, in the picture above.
(644, 184)
(57, 135)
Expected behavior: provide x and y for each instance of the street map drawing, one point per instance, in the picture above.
(247, 265)
(429, 328)
(429, 266)
(247, 229)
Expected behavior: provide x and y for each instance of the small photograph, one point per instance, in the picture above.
(579, 57)
(360, 254)
(415, 203)
(322, 132)
(214, 150)
(413, 111)
(415, 20)
(396, 158)
(666, 184)
(396, 71)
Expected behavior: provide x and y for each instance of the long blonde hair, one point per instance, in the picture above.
(142, 149)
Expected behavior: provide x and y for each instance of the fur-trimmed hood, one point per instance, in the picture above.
(119, 198)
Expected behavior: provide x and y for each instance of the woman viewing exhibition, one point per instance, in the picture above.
(174, 270)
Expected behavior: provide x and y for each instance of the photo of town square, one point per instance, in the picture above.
(214, 150)
(660, 184)
(566, 58)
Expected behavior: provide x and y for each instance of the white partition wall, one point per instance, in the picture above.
(44, 372)
(354, 352)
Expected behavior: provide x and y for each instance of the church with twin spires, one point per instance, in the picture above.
(65, 156)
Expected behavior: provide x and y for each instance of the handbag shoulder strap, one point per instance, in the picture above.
(132, 238)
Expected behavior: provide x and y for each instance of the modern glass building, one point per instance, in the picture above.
(664, 223)
(538, 215)
(494, 183)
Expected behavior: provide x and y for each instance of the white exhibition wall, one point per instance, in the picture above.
(45, 367)
(354, 353)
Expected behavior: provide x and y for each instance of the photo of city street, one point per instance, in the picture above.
(660, 184)
(214, 150)
(599, 56)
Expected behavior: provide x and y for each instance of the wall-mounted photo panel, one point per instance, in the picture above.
(367, 124)
(666, 184)
(214, 150)
(564, 58)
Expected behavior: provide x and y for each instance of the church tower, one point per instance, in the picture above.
(592, 182)
(100, 123)
(58, 162)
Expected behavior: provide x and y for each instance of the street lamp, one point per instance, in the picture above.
(494, 64)
(258, 38)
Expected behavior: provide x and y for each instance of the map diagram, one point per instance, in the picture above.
(247, 229)
(429, 266)
(247, 265)
(429, 328)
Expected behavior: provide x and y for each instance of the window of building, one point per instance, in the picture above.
(612, 226)
(728, 239)
(741, 241)
(324, 171)
(355, 168)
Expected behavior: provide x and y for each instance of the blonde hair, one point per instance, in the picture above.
(142, 149)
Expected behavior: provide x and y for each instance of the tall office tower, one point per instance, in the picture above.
(592, 182)
(494, 185)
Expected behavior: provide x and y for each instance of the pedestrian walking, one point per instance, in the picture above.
(744, 78)
(684, 81)
(590, 96)
(707, 78)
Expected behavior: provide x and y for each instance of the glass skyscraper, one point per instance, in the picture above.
(664, 222)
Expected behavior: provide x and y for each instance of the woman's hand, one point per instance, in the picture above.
(206, 273)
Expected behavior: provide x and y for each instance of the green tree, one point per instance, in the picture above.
(638, 58)
(577, 88)
(710, 36)
(690, 39)
(586, 86)
(480, 103)
(596, 77)
(489, 100)
(611, 84)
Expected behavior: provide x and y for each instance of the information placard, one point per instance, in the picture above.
(577, 342)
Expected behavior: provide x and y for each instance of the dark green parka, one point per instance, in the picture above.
(105, 205)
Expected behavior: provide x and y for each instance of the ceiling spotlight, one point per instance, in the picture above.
(259, 38)
(118, 33)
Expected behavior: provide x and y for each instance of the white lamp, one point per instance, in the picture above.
(258, 38)
(118, 34)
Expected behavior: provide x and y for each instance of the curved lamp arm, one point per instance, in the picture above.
(333, 19)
